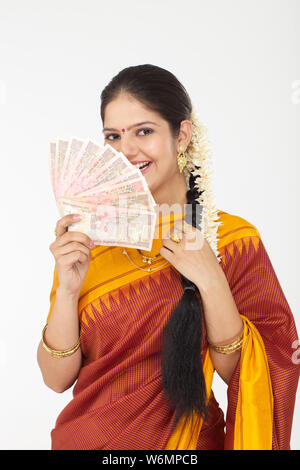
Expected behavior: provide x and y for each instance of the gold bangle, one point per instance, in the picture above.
(56, 353)
(229, 348)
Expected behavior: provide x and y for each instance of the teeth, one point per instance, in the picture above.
(140, 165)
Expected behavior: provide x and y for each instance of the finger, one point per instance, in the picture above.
(64, 222)
(71, 258)
(166, 253)
(188, 228)
(169, 244)
(182, 227)
(193, 240)
(70, 247)
(178, 226)
(80, 237)
(177, 232)
(169, 240)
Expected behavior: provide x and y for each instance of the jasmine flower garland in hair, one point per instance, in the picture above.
(198, 157)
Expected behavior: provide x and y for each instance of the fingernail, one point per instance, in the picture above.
(76, 217)
(92, 244)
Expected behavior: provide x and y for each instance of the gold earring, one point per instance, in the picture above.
(181, 158)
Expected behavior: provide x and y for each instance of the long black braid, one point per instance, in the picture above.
(182, 373)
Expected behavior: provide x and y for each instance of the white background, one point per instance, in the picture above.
(238, 59)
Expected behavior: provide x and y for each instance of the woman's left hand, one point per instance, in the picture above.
(192, 256)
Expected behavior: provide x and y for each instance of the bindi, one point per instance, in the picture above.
(123, 130)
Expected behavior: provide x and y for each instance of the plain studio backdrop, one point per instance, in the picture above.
(239, 61)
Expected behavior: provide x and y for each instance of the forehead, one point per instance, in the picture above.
(125, 110)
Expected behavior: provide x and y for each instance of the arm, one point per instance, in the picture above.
(259, 297)
(62, 332)
(223, 323)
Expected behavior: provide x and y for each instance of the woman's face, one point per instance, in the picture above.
(142, 136)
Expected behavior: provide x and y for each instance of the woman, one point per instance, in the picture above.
(152, 337)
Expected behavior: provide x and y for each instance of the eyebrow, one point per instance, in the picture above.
(130, 127)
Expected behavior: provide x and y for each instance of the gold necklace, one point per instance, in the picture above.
(149, 260)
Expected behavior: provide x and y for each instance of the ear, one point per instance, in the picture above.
(185, 134)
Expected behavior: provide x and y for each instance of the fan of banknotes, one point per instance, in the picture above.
(110, 193)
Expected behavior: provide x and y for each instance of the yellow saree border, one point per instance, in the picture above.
(254, 411)
(255, 405)
(234, 229)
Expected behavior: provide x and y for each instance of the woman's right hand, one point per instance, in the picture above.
(71, 251)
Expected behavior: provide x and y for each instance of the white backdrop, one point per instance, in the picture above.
(238, 59)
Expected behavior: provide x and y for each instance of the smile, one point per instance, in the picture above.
(143, 166)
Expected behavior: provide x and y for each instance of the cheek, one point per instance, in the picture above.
(160, 152)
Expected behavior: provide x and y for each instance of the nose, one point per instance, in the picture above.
(128, 147)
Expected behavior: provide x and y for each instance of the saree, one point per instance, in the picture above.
(118, 401)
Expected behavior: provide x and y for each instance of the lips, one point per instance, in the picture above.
(141, 163)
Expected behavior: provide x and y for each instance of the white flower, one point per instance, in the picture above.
(198, 154)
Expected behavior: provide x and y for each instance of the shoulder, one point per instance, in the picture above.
(233, 228)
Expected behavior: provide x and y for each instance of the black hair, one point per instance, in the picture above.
(182, 373)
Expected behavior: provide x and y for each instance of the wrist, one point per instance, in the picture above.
(63, 293)
(211, 287)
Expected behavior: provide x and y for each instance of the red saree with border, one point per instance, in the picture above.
(118, 401)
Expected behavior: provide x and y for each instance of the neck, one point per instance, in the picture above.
(173, 194)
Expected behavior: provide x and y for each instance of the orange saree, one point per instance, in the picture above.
(118, 401)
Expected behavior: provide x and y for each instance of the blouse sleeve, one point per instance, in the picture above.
(260, 299)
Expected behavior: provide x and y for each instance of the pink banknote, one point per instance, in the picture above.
(110, 193)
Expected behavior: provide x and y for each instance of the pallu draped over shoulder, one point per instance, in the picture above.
(118, 400)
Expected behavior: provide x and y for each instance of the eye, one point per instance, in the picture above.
(148, 131)
(114, 136)
(107, 137)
